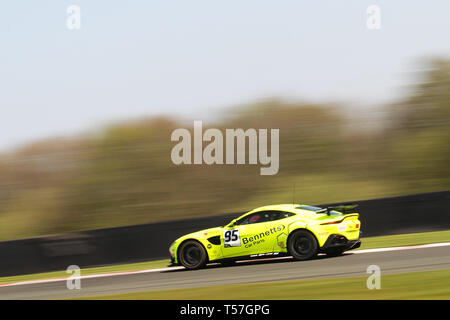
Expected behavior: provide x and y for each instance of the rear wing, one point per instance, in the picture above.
(345, 209)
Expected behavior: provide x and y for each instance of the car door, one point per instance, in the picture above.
(252, 234)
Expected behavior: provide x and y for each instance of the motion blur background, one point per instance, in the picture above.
(86, 115)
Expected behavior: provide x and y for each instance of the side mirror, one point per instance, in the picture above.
(232, 223)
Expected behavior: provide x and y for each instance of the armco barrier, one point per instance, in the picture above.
(411, 213)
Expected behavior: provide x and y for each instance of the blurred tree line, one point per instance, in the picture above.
(124, 174)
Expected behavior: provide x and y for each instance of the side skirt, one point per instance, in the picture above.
(253, 257)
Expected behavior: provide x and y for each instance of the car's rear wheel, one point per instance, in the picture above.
(302, 245)
(192, 255)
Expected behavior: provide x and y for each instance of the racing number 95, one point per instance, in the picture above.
(231, 235)
(231, 238)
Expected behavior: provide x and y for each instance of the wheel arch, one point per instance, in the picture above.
(302, 229)
(191, 239)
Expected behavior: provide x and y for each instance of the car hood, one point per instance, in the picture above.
(205, 233)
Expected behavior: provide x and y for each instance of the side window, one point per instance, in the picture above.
(256, 217)
(284, 214)
(263, 216)
(277, 215)
(273, 215)
(252, 218)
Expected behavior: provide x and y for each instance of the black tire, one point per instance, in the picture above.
(192, 255)
(302, 245)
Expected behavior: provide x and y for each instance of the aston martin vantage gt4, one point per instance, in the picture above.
(301, 231)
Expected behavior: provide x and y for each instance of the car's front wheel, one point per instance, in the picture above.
(192, 255)
(302, 245)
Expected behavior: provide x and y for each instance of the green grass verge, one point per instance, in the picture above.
(367, 243)
(407, 239)
(415, 285)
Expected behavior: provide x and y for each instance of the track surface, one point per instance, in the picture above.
(348, 265)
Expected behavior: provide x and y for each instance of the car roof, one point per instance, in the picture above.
(283, 207)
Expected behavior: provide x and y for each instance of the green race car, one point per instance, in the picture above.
(301, 231)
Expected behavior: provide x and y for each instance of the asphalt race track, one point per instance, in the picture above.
(349, 265)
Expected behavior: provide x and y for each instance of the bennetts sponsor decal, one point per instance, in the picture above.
(262, 235)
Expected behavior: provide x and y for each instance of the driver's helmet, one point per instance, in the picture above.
(255, 218)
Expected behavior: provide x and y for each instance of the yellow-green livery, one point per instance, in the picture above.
(301, 231)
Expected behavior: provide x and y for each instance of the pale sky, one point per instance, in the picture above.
(191, 58)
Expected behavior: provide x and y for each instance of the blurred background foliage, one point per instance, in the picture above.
(123, 174)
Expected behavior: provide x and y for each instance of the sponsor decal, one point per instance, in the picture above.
(259, 238)
(264, 254)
